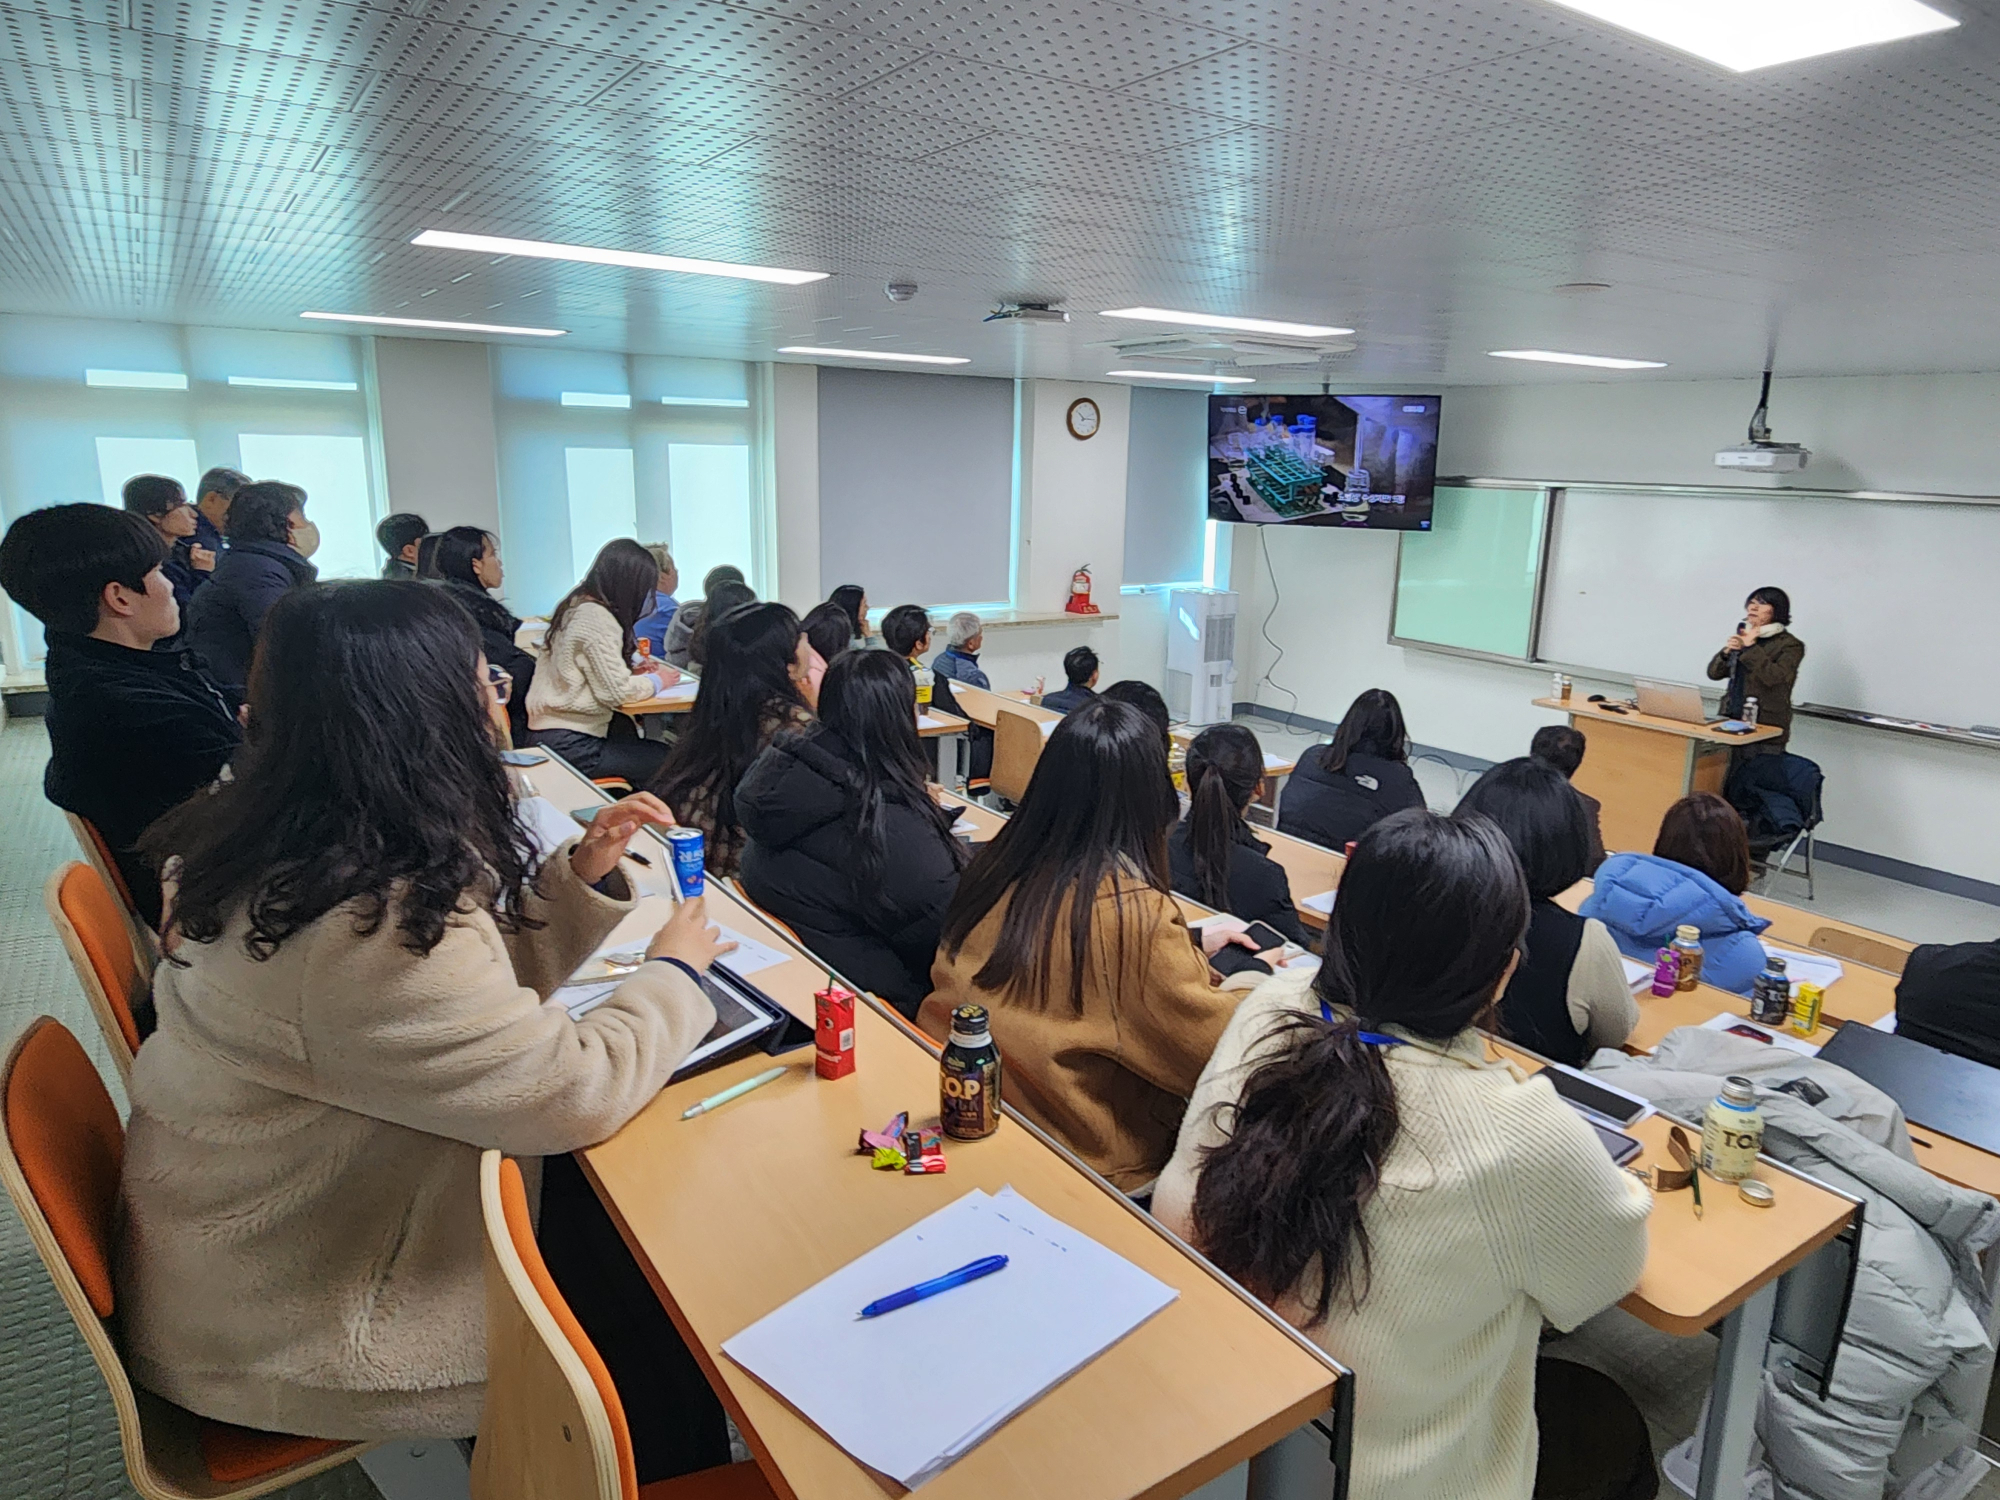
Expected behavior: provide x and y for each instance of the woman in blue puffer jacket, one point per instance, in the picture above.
(1696, 874)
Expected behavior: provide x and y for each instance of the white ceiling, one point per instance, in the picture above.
(1426, 171)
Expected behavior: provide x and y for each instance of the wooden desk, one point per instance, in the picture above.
(734, 1213)
(1638, 766)
(1312, 870)
(983, 705)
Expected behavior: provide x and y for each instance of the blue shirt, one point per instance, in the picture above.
(653, 627)
(960, 666)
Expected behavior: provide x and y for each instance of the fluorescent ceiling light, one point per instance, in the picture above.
(1236, 325)
(641, 260)
(1745, 34)
(882, 354)
(1594, 361)
(538, 333)
(704, 401)
(1180, 375)
(596, 398)
(137, 380)
(277, 384)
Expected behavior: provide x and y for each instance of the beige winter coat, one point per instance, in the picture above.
(582, 676)
(300, 1247)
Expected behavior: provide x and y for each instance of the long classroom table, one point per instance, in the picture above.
(734, 1213)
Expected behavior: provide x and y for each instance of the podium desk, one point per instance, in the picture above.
(1638, 766)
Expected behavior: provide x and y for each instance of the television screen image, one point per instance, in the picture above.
(1365, 461)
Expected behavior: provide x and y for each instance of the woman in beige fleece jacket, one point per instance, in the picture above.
(355, 1008)
(1352, 1157)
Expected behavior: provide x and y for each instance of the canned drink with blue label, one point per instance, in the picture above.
(689, 854)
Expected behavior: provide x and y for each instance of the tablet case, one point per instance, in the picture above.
(1940, 1091)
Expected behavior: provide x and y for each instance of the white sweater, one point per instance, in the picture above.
(1498, 1208)
(582, 676)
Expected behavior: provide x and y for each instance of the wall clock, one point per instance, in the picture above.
(1083, 418)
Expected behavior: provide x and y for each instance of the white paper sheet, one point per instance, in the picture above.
(1807, 968)
(549, 826)
(913, 1390)
(931, 721)
(1322, 903)
(1272, 760)
(1785, 1039)
(964, 826)
(1048, 726)
(681, 692)
(1885, 1023)
(1636, 973)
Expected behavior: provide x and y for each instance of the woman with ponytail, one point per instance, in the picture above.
(1216, 859)
(1352, 1157)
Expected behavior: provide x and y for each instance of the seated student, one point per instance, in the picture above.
(585, 673)
(134, 731)
(164, 506)
(753, 690)
(1696, 874)
(844, 842)
(398, 537)
(724, 599)
(959, 660)
(1341, 790)
(1353, 1158)
(829, 631)
(852, 598)
(1949, 998)
(1080, 667)
(1569, 996)
(1216, 859)
(652, 628)
(213, 492)
(906, 632)
(1146, 698)
(1064, 928)
(269, 542)
(687, 618)
(1561, 746)
(468, 565)
(354, 1009)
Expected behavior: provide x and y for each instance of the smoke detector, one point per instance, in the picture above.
(900, 291)
(1027, 312)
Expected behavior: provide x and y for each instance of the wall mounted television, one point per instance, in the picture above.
(1359, 461)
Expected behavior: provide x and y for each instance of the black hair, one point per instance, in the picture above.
(1146, 698)
(1431, 910)
(221, 481)
(621, 578)
(55, 562)
(849, 596)
(1373, 726)
(1097, 809)
(1080, 665)
(750, 654)
(153, 495)
(262, 512)
(1559, 745)
(369, 774)
(904, 626)
(1224, 765)
(394, 533)
(719, 574)
(830, 629)
(726, 597)
(869, 699)
(427, 547)
(458, 550)
(1778, 599)
(1533, 803)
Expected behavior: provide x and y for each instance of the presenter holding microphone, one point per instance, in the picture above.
(1761, 661)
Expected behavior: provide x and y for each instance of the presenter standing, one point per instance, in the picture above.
(1761, 661)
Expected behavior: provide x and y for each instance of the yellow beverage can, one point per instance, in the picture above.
(1805, 1009)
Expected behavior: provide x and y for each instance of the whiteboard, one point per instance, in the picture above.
(1898, 602)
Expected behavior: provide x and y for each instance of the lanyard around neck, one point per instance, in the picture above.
(1372, 1038)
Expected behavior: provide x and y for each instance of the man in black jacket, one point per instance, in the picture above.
(133, 732)
(261, 566)
(1949, 998)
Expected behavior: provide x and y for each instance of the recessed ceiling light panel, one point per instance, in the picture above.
(137, 380)
(277, 383)
(1593, 361)
(639, 260)
(875, 354)
(616, 401)
(333, 317)
(1215, 320)
(1187, 375)
(1743, 35)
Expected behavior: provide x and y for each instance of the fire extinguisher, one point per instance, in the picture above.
(1079, 593)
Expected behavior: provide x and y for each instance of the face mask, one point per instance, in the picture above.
(305, 539)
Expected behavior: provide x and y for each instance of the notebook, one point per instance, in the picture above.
(1940, 1091)
(912, 1391)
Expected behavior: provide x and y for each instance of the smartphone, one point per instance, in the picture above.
(584, 815)
(1621, 1146)
(522, 757)
(1595, 1098)
(1264, 936)
(1750, 1032)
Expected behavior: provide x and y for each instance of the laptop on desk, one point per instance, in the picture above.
(1670, 700)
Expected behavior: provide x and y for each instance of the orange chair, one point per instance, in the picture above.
(93, 933)
(97, 853)
(60, 1154)
(553, 1427)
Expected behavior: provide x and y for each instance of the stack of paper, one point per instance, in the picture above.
(549, 827)
(1636, 973)
(1790, 1041)
(597, 976)
(914, 1390)
(1322, 903)
(1807, 968)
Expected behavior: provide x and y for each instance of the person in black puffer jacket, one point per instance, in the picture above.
(468, 564)
(266, 523)
(1339, 791)
(844, 842)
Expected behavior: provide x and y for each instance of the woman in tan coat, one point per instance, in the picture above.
(1104, 1010)
(353, 1009)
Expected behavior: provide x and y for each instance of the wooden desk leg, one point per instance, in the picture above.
(1732, 1402)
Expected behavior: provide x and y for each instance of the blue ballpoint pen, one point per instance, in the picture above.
(944, 1283)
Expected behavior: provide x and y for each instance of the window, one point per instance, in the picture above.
(603, 501)
(709, 494)
(333, 471)
(119, 458)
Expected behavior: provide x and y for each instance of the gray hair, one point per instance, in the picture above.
(965, 626)
(662, 558)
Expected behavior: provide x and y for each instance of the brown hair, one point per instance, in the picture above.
(1705, 833)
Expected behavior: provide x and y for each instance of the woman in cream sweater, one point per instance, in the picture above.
(1352, 1157)
(353, 1008)
(585, 674)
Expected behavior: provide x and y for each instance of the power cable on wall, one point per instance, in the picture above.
(1277, 598)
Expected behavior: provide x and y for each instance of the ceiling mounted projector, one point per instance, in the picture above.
(1027, 312)
(1759, 454)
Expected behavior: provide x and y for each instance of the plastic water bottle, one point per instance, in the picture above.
(1750, 712)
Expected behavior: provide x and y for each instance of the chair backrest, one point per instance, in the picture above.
(97, 853)
(1017, 745)
(553, 1427)
(86, 918)
(1860, 949)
